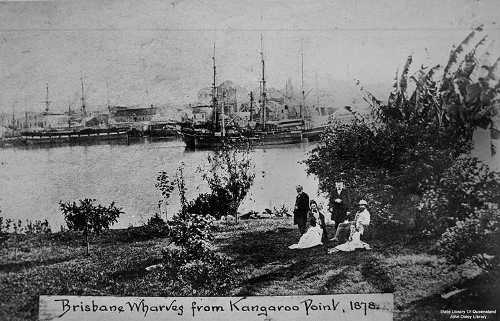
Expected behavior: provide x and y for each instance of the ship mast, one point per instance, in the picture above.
(84, 110)
(107, 93)
(47, 101)
(69, 115)
(303, 102)
(317, 95)
(263, 98)
(214, 94)
(251, 105)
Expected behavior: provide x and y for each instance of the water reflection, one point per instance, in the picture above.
(33, 180)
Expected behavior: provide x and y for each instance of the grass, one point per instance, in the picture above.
(55, 264)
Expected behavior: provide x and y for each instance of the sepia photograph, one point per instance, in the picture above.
(287, 160)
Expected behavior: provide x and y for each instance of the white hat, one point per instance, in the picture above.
(338, 200)
(363, 202)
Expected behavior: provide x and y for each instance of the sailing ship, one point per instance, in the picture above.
(77, 134)
(218, 133)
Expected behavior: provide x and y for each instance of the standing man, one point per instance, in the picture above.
(340, 195)
(301, 210)
(340, 202)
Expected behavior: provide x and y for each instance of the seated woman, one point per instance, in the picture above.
(316, 234)
(357, 227)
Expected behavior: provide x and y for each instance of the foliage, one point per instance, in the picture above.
(181, 187)
(475, 237)
(210, 274)
(464, 188)
(166, 186)
(215, 204)
(281, 211)
(88, 217)
(230, 174)
(191, 264)
(156, 226)
(30, 227)
(406, 143)
(192, 232)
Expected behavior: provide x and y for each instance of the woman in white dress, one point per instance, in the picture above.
(358, 226)
(316, 234)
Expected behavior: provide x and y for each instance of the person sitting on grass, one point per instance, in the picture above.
(357, 228)
(316, 234)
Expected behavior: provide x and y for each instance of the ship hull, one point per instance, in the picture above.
(313, 134)
(74, 137)
(209, 141)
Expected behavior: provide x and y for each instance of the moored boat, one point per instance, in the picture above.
(73, 136)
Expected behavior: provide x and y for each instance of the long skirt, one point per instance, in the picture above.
(311, 238)
(354, 241)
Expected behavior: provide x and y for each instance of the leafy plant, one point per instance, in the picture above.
(474, 238)
(407, 143)
(215, 204)
(467, 186)
(156, 226)
(230, 174)
(166, 186)
(88, 217)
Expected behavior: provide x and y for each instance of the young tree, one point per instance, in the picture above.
(89, 218)
(166, 186)
(230, 173)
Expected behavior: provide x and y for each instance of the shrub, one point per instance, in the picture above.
(282, 211)
(89, 218)
(192, 232)
(475, 238)
(37, 227)
(215, 204)
(210, 274)
(406, 143)
(230, 174)
(30, 227)
(156, 226)
(191, 264)
(465, 187)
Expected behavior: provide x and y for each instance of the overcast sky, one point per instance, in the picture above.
(160, 51)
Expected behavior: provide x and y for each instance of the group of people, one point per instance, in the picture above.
(348, 227)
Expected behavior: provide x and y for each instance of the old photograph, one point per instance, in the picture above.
(250, 160)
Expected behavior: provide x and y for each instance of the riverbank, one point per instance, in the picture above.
(56, 264)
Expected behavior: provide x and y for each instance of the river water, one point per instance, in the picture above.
(33, 181)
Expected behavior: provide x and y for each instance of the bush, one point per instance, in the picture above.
(156, 226)
(406, 143)
(210, 274)
(475, 238)
(30, 227)
(89, 218)
(465, 187)
(216, 204)
(191, 265)
(192, 232)
(230, 174)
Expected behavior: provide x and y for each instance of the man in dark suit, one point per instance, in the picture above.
(340, 202)
(301, 210)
